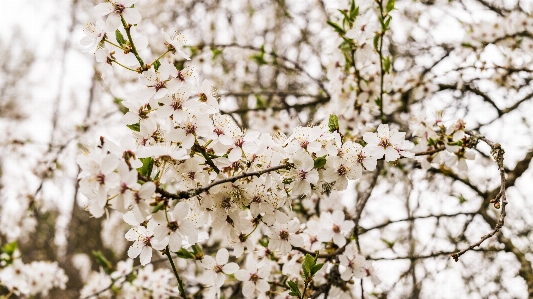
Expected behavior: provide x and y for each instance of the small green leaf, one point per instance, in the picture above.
(320, 162)
(386, 64)
(308, 264)
(135, 127)
(157, 64)
(184, 254)
(333, 123)
(159, 207)
(376, 41)
(10, 248)
(260, 57)
(120, 38)
(121, 108)
(103, 261)
(316, 268)
(148, 165)
(259, 102)
(378, 101)
(294, 288)
(390, 5)
(216, 52)
(336, 27)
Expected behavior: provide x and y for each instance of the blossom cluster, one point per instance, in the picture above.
(134, 283)
(35, 278)
(188, 176)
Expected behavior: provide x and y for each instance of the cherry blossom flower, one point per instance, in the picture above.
(117, 9)
(386, 143)
(284, 235)
(335, 227)
(156, 83)
(304, 173)
(144, 242)
(176, 227)
(254, 277)
(352, 263)
(95, 34)
(176, 43)
(217, 268)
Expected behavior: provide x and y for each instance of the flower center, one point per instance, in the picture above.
(159, 85)
(217, 269)
(190, 128)
(254, 277)
(336, 229)
(202, 97)
(342, 170)
(173, 225)
(284, 235)
(218, 131)
(385, 142)
(119, 8)
(100, 178)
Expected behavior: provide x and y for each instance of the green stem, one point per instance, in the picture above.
(112, 43)
(124, 66)
(180, 283)
(133, 49)
(160, 56)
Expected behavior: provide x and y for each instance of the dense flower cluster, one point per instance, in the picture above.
(188, 176)
(35, 278)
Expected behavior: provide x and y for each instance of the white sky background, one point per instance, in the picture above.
(45, 23)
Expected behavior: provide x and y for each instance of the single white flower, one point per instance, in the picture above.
(144, 242)
(217, 268)
(254, 277)
(284, 235)
(115, 9)
(176, 43)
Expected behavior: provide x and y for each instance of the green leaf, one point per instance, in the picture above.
(135, 127)
(184, 254)
(294, 288)
(316, 268)
(333, 123)
(386, 64)
(121, 108)
(390, 5)
(10, 248)
(159, 206)
(148, 165)
(103, 261)
(157, 64)
(120, 38)
(320, 162)
(216, 52)
(376, 41)
(378, 101)
(260, 57)
(336, 27)
(259, 102)
(308, 264)
(387, 22)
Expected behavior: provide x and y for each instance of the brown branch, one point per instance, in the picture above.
(194, 192)
(497, 153)
(364, 230)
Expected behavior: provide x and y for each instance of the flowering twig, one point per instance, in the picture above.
(193, 192)
(497, 153)
(133, 49)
